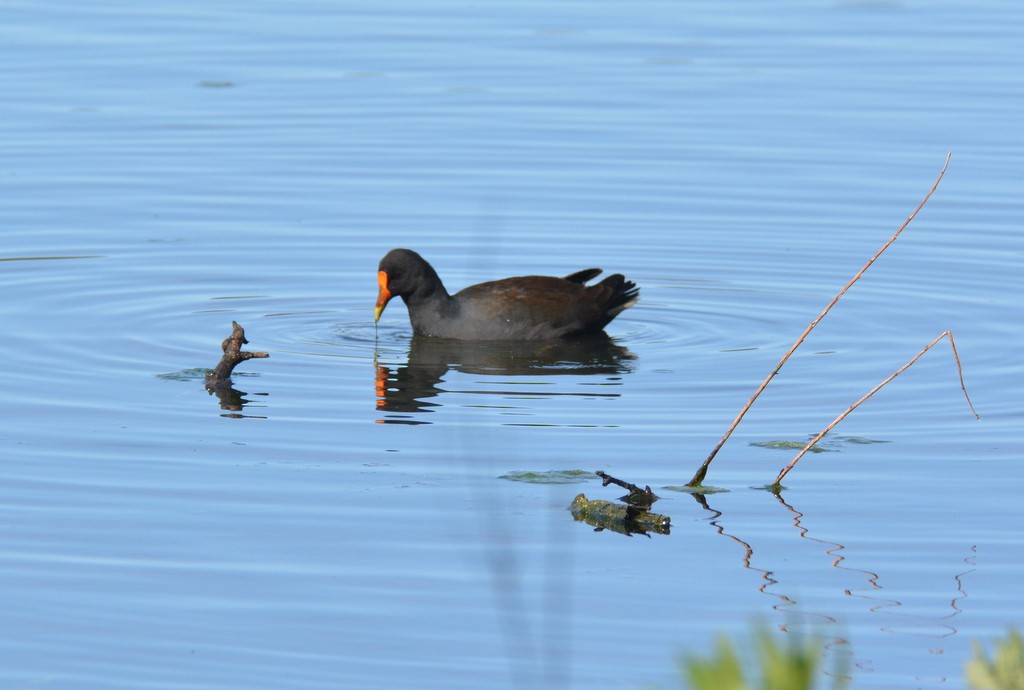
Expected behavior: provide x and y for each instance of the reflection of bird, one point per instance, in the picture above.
(409, 387)
(525, 308)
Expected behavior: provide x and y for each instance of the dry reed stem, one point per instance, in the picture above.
(854, 406)
(698, 478)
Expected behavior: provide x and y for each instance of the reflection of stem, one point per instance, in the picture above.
(961, 594)
(873, 578)
(961, 591)
(748, 554)
(833, 550)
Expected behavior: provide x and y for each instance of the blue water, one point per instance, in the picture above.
(168, 168)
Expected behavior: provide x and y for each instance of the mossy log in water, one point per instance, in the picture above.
(624, 519)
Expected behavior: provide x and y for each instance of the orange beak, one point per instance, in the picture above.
(383, 295)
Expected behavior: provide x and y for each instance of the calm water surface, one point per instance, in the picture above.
(168, 168)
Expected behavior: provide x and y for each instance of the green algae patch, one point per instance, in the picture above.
(550, 477)
(860, 440)
(687, 489)
(788, 445)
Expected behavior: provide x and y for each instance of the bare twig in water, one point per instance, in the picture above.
(698, 478)
(854, 406)
(638, 497)
(233, 356)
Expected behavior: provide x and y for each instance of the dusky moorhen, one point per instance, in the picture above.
(524, 308)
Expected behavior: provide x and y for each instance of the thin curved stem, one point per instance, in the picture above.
(698, 478)
(854, 406)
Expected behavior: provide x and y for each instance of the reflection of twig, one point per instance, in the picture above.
(698, 478)
(854, 406)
